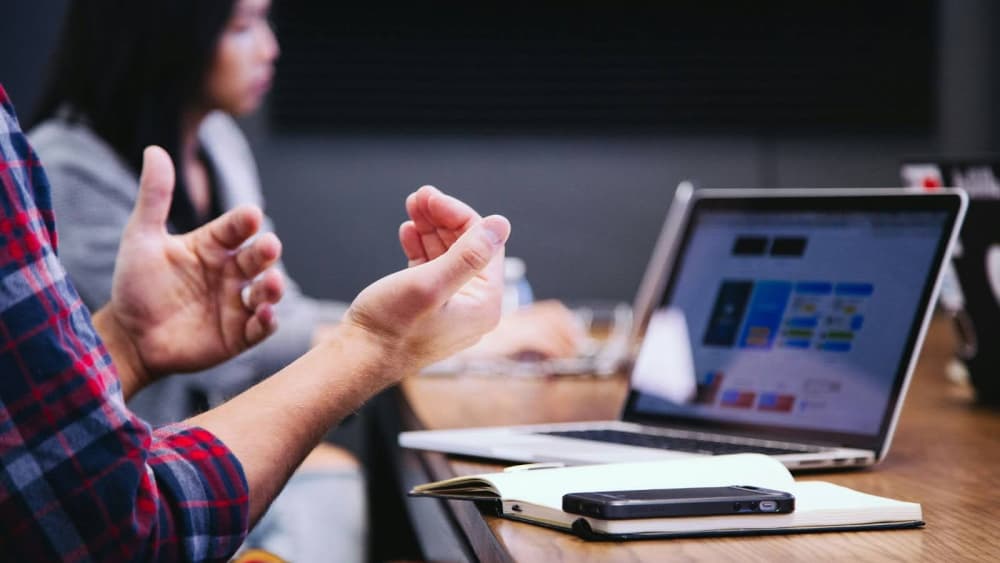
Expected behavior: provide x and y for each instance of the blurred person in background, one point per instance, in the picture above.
(128, 74)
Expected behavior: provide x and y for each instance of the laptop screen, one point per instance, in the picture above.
(802, 313)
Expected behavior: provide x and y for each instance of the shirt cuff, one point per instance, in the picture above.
(209, 491)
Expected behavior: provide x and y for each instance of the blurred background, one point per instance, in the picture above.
(578, 119)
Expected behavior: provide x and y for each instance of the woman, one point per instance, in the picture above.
(128, 74)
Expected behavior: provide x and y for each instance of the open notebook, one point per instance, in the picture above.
(535, 496)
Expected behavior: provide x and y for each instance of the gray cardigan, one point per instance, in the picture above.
(93, 192)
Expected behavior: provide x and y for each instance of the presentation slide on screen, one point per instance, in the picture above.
(799, 322)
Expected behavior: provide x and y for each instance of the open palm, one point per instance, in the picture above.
(178, 297)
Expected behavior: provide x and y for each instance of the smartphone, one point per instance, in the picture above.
(696, 501)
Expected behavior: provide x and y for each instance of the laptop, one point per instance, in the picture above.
(805, 310)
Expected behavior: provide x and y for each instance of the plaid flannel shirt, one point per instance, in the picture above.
(81, 478)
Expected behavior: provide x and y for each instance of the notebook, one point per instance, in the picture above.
(535, 496)
(805, 310)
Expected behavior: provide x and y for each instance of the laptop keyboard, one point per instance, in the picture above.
(692, 445)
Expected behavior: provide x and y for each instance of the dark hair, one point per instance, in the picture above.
(129, 68)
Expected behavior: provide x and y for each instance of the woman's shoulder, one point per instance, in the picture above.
(221, 132)
(72, 147)
(234, 162)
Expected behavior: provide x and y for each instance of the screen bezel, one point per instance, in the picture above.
(816, 201)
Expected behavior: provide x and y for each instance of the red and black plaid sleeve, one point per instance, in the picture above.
(81, 478)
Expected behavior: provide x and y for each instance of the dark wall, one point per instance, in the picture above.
(585, 210)
(969, 76)
(598, 66)
(578, 121)
(586, 205)
(28, 33)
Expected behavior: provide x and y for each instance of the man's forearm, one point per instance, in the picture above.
(272, 426)
(131, 370)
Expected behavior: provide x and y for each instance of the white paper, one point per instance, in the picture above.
(665, 367)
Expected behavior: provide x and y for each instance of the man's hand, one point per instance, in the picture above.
(449, 297)
(398, 325)
(178, 302)
(547, 329)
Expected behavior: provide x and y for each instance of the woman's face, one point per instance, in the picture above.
(243, 67)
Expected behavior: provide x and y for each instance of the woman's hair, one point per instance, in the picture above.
(129, 69)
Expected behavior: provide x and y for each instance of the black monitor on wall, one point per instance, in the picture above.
(645, 66)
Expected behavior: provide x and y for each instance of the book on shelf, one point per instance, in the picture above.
(535, 496)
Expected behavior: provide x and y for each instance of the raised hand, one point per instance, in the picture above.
(188, 302)
(451, 294)
(547, 329)
(436, 222)
(395, 327)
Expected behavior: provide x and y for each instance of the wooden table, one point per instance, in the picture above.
(945, 455)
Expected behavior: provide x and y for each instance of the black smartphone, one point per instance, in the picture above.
(695, 501)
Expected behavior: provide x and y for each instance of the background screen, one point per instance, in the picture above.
(798, 319)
